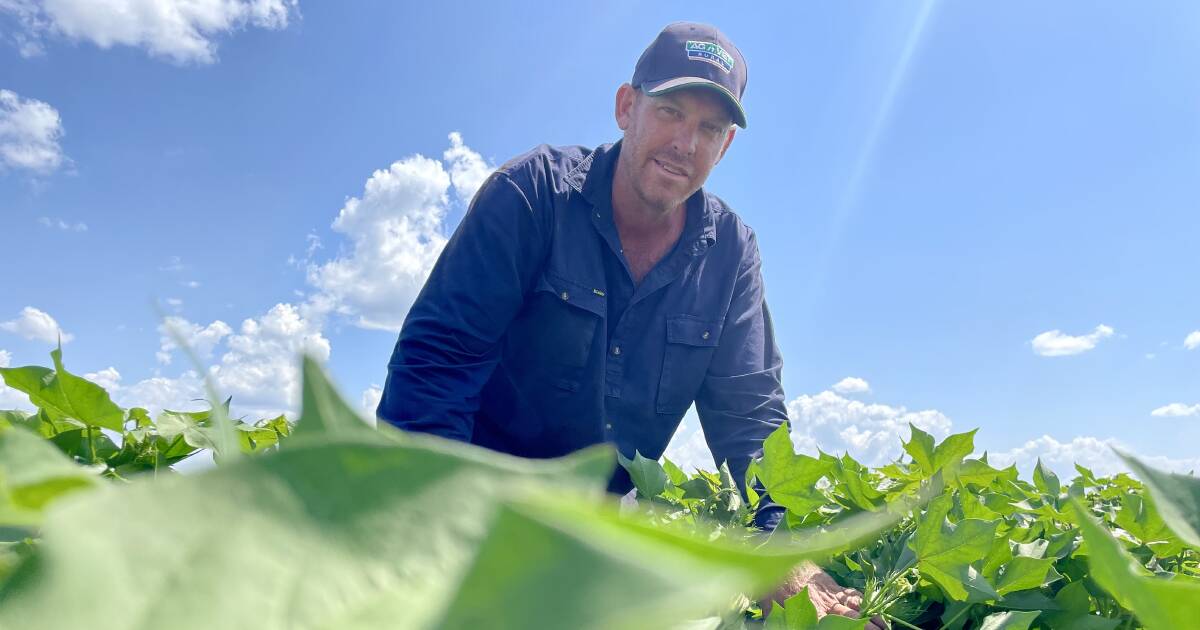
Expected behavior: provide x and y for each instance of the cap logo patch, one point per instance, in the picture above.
(710, 52)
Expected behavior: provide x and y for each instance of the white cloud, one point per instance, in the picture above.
(1091, 452)
(1192, 341)
(396, 232)
(1054, 343)
(852, 385)
(259, 366)
(9, 397)
(179, 30)
(29, 134)
(108, 378)
(687, 447)
(370, 402)
(201, 339)
(871, 433)
(13, 399)
(36, 325)
(192, 284)
(1176, 410)
(63, 225)
(183, 393)
(468, 170)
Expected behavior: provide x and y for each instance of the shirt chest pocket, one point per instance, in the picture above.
(691, 342)
(570, 314)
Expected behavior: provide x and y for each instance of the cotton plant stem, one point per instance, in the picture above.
(898, 620)
(955, 617)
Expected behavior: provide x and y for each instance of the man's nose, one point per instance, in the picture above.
(684, 141)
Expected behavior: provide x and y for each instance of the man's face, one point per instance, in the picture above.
(672, 142)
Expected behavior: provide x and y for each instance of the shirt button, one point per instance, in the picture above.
(617, 350)
(565, 295)
(705, 335)
(608, 426)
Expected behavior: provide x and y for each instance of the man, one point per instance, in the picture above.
(594, 295)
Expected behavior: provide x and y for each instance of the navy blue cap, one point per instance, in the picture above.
(689, 54)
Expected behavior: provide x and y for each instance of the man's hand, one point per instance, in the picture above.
(827, 596)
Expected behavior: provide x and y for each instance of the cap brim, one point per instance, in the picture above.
(679, 83)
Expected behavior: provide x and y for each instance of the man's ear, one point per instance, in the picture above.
(728, 141)
(626, 96)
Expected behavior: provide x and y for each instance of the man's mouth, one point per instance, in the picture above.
(671, 170)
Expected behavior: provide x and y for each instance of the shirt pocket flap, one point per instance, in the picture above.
(574, 293)
(693, 331)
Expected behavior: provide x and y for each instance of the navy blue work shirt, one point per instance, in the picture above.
(530, 337)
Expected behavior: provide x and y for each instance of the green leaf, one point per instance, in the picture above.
(920, 447)
(1177, 498)
(791, 479)
(950, 453)
(732, 496)
(324, 413)
(1045, 480)
(172, 424)
(945, 551)
(648, 476)
(33, 473)
(16, 417)
(64, 394)
(1139, 517)
(799, 613)
(697, 488)
(1024, 573)
(1159, 604)
(977, 473)
(1012, 620)
(674, 473)
(1075, 605)
(855, 481)
(796, 613)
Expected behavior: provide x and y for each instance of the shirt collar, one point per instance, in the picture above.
(592, 178)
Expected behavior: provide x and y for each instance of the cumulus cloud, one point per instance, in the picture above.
(852, 385)
(1192, 341)
(182, 393)
(396, 230)
(201, 339)
(9, 397)
(29, 134)
(36, 325)
(468, 170)
(1091, 452)
(370, 402)
(261, 368)
(182, 31)
(872, 434)
(258, 365)
(65, 226)
(1054, 343)
(869, 432)
(1176, 410)
(108, 378)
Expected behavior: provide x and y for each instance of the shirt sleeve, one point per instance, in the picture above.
(741, 400)
(449, 344)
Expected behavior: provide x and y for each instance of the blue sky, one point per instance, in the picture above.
(934, 186)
